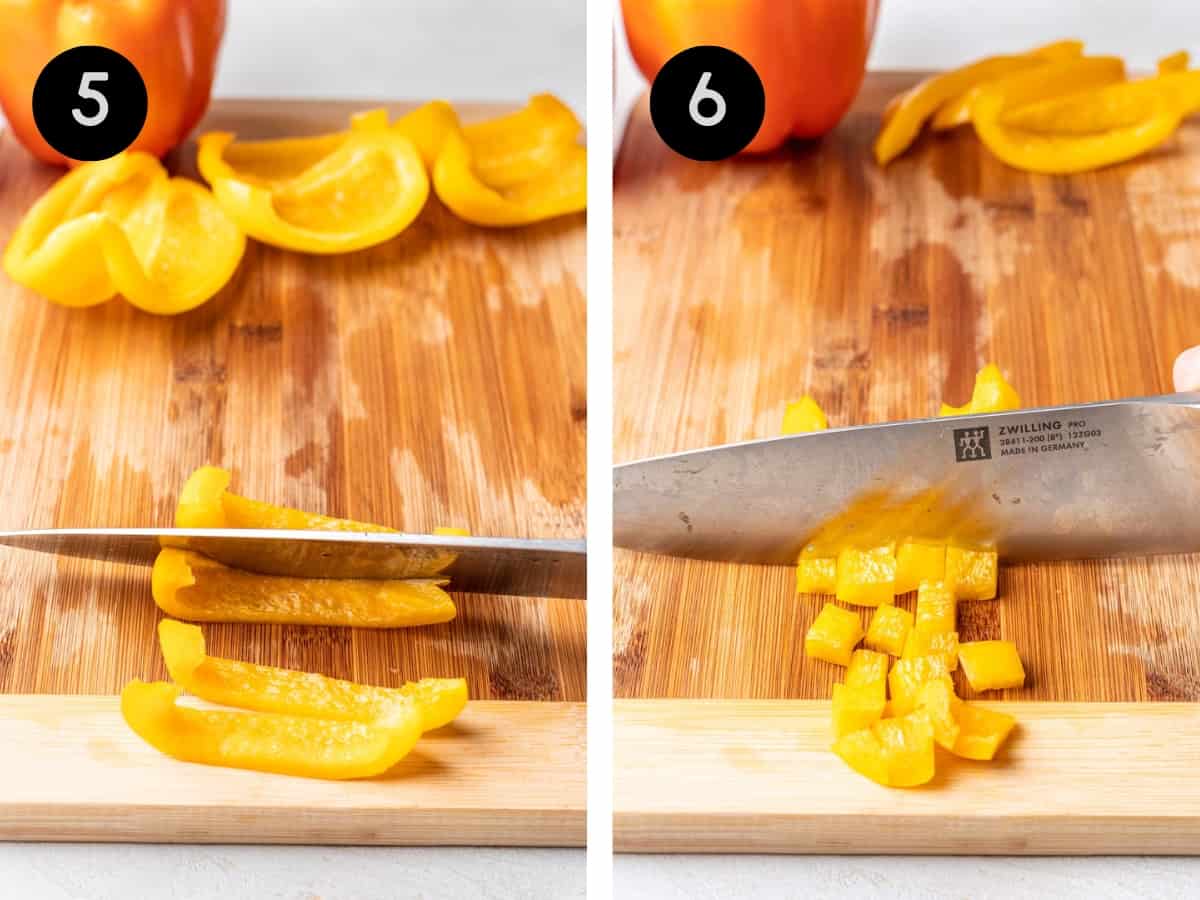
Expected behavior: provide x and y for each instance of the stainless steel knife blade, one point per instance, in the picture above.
(527, 568)
(1068, 482)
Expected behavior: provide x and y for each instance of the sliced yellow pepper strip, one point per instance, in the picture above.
(328, 194)
(245, 685)
(904, 117)
(122, 226)
(206, 502)
(957, 111)
(1116, 106)
(189, 586)
(991, 394)
(509, 150)
(1060, 153)
(268, 742)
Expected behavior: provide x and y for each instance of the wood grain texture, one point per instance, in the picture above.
(742, 285)
(507, 773)
(437, 379)
(758, 776)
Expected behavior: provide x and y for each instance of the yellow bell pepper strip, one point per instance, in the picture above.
(868, 669)
(906, 114)
(122, 226)
(512, 149)
(268, 689)
(971, 574)
(855, 708)
(991, 665)
(816, 575)
(833, 635)
(268, 742)
(889, 629)
(937, 700)
(930, 643)
(918, 561)
(206, 502)
(1116, 106)
(991, 394)
(937, 608)
(980, 731)
(803, 416)
(366, 188)
(189, 586)
(894, 752)
(907, 676)
(866, 577)
(1059, 153)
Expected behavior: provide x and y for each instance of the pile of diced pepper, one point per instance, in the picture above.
(897, 701)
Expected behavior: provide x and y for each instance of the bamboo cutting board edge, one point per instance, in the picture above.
(507, 773)
(758, 777)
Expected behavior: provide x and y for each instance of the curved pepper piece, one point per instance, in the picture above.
(173, 45)
(957, 111)
(1058, 153)
(1123, 105)
(206, 502)
(270, 689)
(121, 226)
(803, 416)
(189, 586)
(326, 194)
(268, 742)
(511, 149)
(904, 116)
(990, 394)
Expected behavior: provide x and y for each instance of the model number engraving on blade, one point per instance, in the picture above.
(1047, 436)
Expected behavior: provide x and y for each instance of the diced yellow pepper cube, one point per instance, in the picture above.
(918, 561)
(833, 635)
(971, 574)
(937, 607)
(990, 394)
(980, 731)
(804, 415)
(855, 708)
(893, 752)
(868, 668)
(991, 665)
(816, 575)
(937, 699)
(889, 629)
(927, 643)
(907, 677)
(867, 577)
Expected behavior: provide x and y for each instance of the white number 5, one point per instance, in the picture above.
(704, 92)
(87, 92)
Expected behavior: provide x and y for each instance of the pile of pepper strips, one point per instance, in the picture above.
(1051, 109)
(891, 740)
(290, 722)
(122, 226)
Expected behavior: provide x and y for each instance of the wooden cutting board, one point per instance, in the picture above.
(437, 379)
(742, 285)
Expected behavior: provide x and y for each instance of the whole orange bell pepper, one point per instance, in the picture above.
(809, 54)
(172, 43)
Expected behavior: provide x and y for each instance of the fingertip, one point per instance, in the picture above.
(1186, 372)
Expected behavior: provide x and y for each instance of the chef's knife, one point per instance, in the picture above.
(527, 568)
(1068, 482)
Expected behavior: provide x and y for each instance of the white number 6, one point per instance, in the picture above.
(87, 92)
(703, 92)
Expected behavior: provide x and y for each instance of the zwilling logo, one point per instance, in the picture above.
(971, 444)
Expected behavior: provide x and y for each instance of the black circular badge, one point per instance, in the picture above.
(89, 103)
(707, 103)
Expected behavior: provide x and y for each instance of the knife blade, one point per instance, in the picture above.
(1067, 482)
(525, 568)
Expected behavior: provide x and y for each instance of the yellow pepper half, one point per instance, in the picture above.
(326, 194)
(268, 689)
(189, 586)
(903, 118)
(269, 742)
(122, 226)
(1064, 152)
